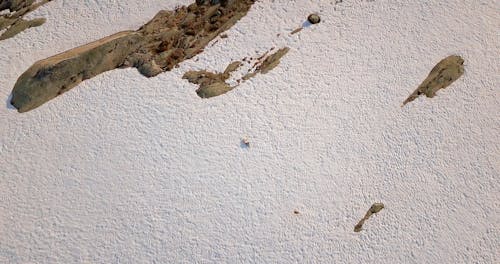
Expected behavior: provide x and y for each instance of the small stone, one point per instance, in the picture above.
(245, 142)
(376, 207)
(314, 19)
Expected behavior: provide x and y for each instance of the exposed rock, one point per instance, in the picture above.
(297, 30)
(212, 84)
(441, 76)
(51, 77)
(314, 19)
(268, 64)
(168, 39)
(13, 22)
(375, 208)
(272, 61)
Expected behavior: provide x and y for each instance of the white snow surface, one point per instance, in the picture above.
(126, 169)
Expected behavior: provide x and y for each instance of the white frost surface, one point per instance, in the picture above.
(124, 169)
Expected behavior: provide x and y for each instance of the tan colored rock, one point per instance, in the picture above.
(212, 84)
(13, 22)
(21, 25)
(53, 76)
(168, 39)
(441, 76)
(375, 208)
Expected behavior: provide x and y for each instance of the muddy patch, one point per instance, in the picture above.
(375, 208)
(160, 45)
(441, 76)
(12, 21)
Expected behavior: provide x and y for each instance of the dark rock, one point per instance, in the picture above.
(314, 19)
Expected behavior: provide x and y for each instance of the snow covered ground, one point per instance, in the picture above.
(125, 169)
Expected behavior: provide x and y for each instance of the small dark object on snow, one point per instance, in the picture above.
(296, 212)
(245, 142)
(314, 19)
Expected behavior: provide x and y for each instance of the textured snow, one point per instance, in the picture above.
(125, 169)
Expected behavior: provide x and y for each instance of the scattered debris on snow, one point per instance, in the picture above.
(214, 84)
(266, 65)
